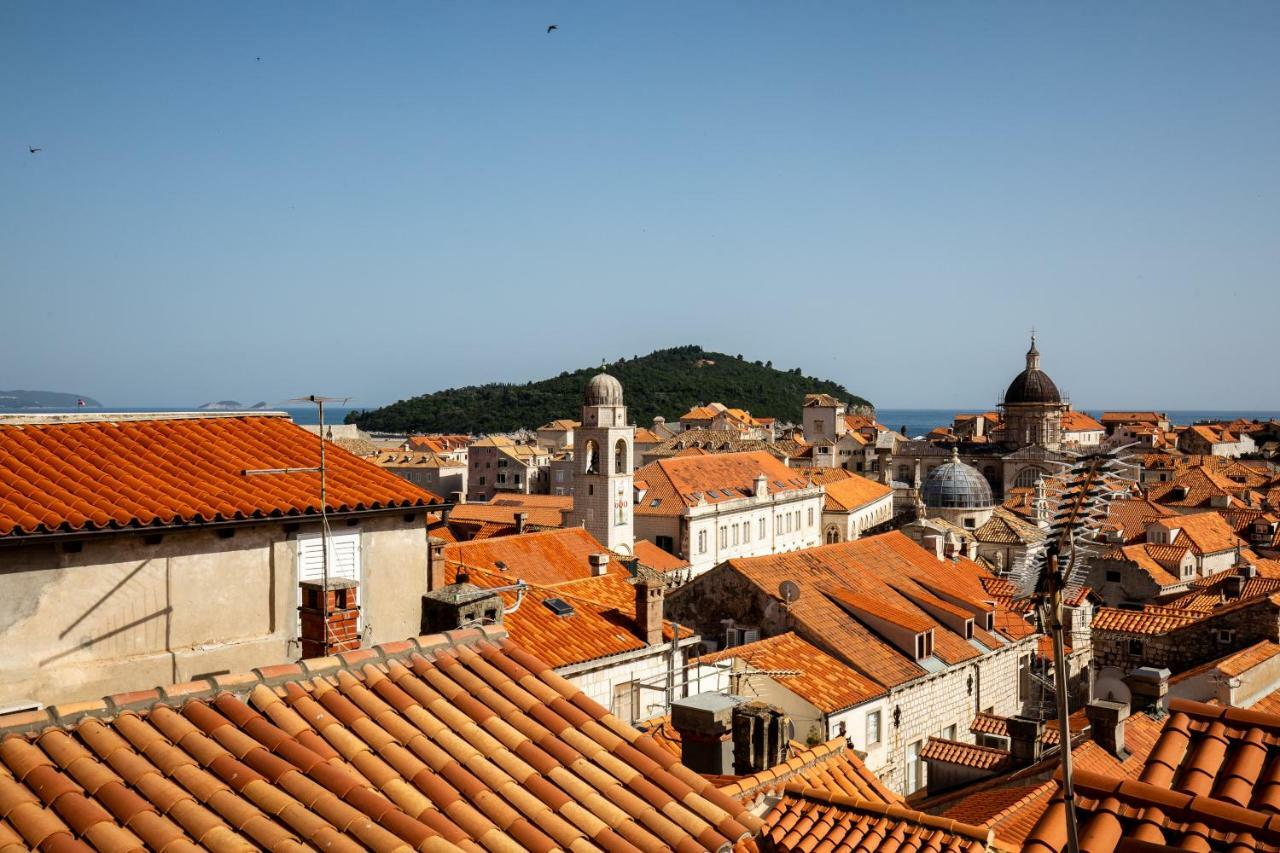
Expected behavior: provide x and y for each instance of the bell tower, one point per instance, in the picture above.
(603, 462)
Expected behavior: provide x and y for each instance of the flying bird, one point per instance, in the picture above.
(552, 27)
(34, 150)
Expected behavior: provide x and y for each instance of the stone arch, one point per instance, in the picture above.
(620, 456)
(591, 457)
(1028, 476)
(831, 535)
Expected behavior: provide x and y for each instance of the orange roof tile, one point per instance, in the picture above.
(822, 680)
(432, 744)
(965, 754)
(1131, 516)
(505, 514)
(1073, 421)
(1151, 619)
(854, 492)
(680, 481)
(657, 559)
(161, 471)
(1203, 786)
(546, 558)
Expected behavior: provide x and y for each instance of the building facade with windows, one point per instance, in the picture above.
(936, 634)
(708, 508)
(140, 549)
(497, 464)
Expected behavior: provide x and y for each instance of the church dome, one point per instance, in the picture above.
(1032, 385)
(603, 390)
(956, 485)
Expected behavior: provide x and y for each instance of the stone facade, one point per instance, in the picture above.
(123, 611)
(1233, 627)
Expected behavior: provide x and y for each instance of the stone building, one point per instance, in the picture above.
(138, 549)
(440, 475)
(603, 466)
(925, 629)
(708, 508)
(852, 505)
(498, 464)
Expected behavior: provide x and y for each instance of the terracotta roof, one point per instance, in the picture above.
(646, 436)
(1160, 562)
(429, 744)
(1205, 785)
(1073, 421)
(854, 492)
(561, 424)
(1131, 417)
(1205, 532)
(823, 681)
(657, 559)
(546, 558)
(413, 459)
(505, 514)
(1195, 488)
(878, 568)
(830, 766)
(682, 481)
(807, 819)
(1131, 516)
(1151, 619)
(965, 754)
(161, 471)
(1236, 663)
(1006, 528)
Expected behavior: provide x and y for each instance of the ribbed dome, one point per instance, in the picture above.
(956, 485)
(1032, 385)
(603, 390)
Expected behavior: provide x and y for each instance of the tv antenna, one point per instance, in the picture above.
(324, 502)
(1077, 514)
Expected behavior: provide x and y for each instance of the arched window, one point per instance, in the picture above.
(832, 535)
(1027, 477)
(591, 457)
(620, 457)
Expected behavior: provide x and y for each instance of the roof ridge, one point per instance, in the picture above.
(894, 810)
(66, 714)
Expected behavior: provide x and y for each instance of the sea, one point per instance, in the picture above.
(913, 422)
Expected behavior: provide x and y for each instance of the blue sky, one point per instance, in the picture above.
(400, 197)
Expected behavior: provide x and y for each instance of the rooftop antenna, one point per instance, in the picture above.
(324, 502)
(1076, 516)
(789, 591)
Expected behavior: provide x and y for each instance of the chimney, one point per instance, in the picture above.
(759, 737)
(705, 724)
(1233, 585)
(1025, 739)
(458, 497)
(1106, 725)
(521, 519)
(649, 598)
(460, 605)
(1148, 688)
(762, 485)
(599, 564)
(435, 563)
(1248, 570)
(934, 543)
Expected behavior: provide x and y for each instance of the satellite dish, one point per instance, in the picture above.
(790, 592)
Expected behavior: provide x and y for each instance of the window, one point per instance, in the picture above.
(735, 534)
(702, 541)
(832, 535)
(763, 524)
(626, 701)
(620, 457)
(1135, 648)
(873, 728)
(1225, 635)
(1113, 576)
(948, 732)
(824, 449)
(665, 543)
(915, 768)
(344, 559)
(1024, 678)
(502, 463)
(904, 473)
(724, 537)
(811, 516)
(970, 522)
(788, 522)
(746, 531)
(591, 457)
(994, 741)
(502, 478)
(482, 479)
(1028, 477)
(818, 425)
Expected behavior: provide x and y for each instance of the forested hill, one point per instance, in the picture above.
(668, 382)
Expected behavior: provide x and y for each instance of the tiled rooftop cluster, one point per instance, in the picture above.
(1209, 783)
(116, 472)
(675, 483)
(468, 743)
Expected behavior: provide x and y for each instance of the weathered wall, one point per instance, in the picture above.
(121, 614)
(1191, 646)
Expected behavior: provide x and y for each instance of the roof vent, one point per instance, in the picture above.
(599, 564)
(559, 607)
(500, 566)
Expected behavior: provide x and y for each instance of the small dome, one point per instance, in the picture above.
(1032, 385)
(956, 485)
(603, 390)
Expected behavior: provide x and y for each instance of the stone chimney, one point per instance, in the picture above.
(435, 563)
(1025, 739)
(1106, 725)
(1233, 585)
(650, 593)
(599, 564)
(460, 605)
(705, 724)
(1148, 688)
(522, 518)
(761, 485)
(759, 737)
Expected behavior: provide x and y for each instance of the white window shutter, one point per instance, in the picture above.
(344, 557)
